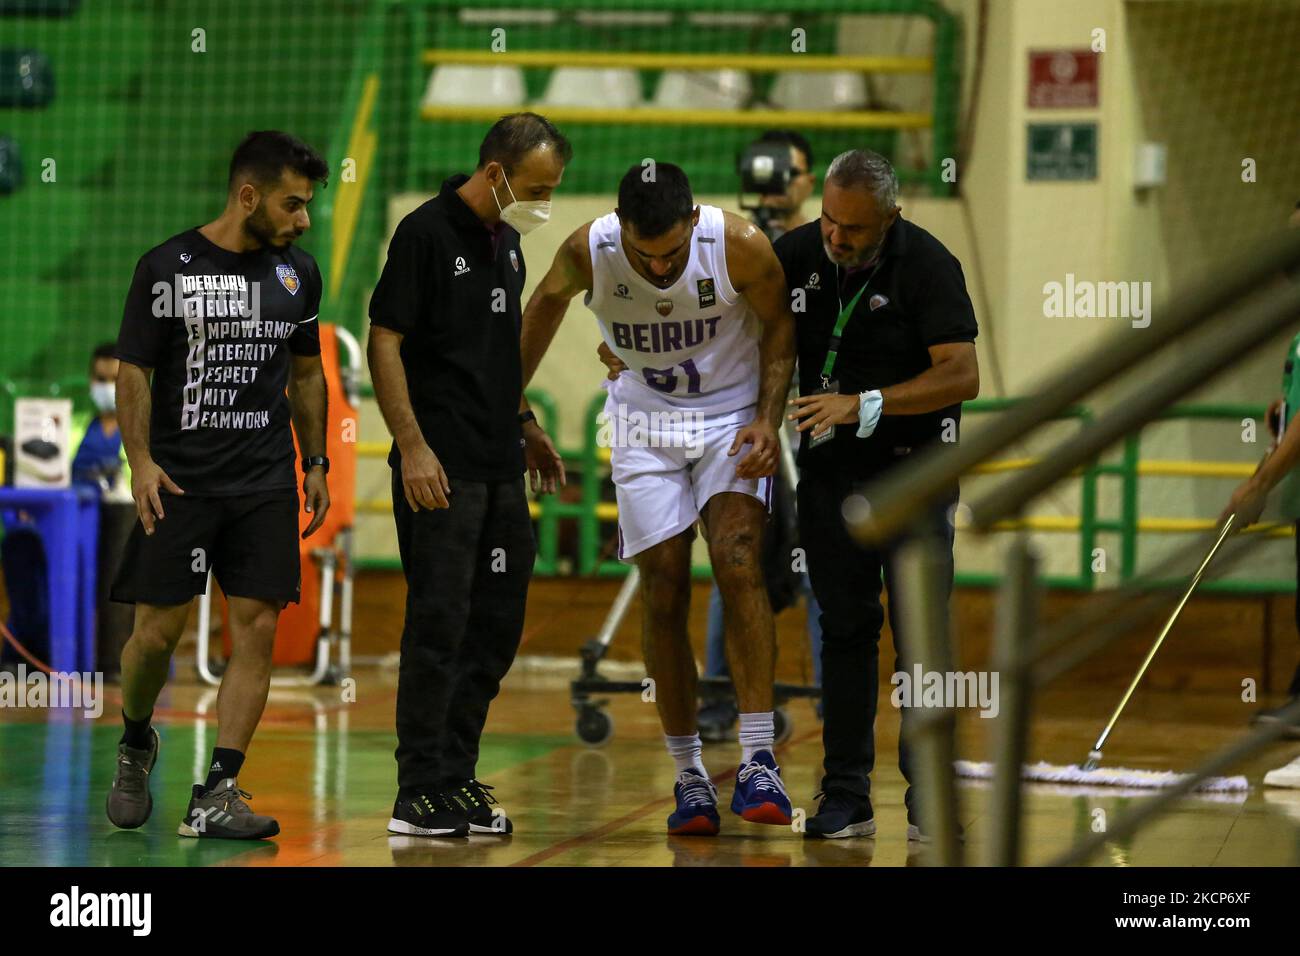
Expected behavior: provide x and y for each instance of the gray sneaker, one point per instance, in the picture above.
(222, 814)
(129, 802)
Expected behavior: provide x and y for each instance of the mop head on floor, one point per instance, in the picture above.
(1103, 776)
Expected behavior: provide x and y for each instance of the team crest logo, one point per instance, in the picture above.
(186, 257)
(705, 287)
(664, 306)
(877, 301)
(514, 260)
(288, 278)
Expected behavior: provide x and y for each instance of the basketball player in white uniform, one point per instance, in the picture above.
(693, 300)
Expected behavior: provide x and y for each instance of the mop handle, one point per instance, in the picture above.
(1196, 579)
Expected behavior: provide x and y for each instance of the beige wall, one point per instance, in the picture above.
(1214, 81)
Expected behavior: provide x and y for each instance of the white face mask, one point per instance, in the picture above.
(104, 395)
(523, 216)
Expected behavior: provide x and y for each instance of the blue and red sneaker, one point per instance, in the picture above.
(697, 806)
(760, 795)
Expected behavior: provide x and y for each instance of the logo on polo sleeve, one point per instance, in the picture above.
(288, 278)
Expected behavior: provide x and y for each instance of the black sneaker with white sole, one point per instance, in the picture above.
(129, 801)
(222, 814)
(841, 815)
(1273, 715)
(427, 814)
(474, 799)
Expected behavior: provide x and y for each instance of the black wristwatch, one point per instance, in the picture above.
(526, 417)
(309, 463)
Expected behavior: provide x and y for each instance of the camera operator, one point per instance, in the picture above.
(780, 204)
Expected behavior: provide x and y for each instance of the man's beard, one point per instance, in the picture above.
(858, 259)
(260, 228)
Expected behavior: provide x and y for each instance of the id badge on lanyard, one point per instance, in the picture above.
(831, 386)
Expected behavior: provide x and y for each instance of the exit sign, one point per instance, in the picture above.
(1061, 151)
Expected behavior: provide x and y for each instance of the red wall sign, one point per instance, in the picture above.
(1062, 79)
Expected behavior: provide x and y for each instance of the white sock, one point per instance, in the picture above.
(687, 753)
(757, 732)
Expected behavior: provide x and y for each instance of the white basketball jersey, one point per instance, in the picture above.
(690, 347)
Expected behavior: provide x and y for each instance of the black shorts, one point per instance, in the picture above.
(250, 542)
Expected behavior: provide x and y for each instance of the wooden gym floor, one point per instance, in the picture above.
(325, 769)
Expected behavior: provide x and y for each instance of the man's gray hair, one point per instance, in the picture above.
(863, 169)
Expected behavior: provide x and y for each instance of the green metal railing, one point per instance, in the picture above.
(593, 512)
(1088, 526)
(1131, 473)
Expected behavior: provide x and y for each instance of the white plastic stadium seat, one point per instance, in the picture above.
(456, 85)
(591, 87)
(837, 90)
(703, 90)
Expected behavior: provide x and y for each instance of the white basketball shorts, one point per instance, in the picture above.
(666, 466)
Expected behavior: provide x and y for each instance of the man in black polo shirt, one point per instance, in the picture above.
(444, 358)
(886, 341)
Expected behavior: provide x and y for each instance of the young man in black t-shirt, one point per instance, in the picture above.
(222, 317)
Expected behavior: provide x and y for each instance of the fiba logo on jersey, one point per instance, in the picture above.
(632, 428)
(705, 288)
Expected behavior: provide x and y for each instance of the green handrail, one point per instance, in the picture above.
(1223, 411)
(1126, 525)
(1088, 522)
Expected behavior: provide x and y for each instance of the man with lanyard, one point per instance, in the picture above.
(886, 341)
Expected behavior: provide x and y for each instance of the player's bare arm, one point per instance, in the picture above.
(756, 274)
(308, 403)
(134, 407)
(424, 482)
(570, 273)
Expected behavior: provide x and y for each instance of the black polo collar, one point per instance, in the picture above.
(457, 209)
